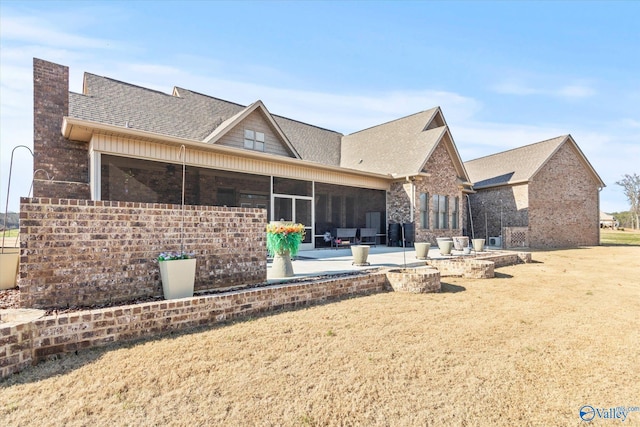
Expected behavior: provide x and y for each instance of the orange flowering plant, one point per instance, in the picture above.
(284, 236)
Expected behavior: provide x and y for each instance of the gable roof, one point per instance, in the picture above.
(400, 147)
(520, 165)
(606, 217)
(187, 115)
(232, 121)
(191, 115)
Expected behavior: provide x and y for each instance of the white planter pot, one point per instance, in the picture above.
(9, 261)
(478, 244)
(460, 242)
(360, 254)
(445, 247)
(178, 277)
(281, 266)
(422, 250)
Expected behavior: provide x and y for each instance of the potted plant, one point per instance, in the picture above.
(178, 273)
(283, 242)
(178, 269)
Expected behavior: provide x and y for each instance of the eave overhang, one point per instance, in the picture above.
(83, 130)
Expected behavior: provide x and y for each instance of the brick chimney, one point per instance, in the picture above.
(66, 161)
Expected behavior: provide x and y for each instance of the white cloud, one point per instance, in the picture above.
(629, 122)
(34, 30)
(575, 91)
(571, 90)
(612, 148)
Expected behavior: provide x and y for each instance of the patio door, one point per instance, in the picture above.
(296, 209)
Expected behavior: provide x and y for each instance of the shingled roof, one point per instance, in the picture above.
(518, 165)
(400, 147)
(187, 114)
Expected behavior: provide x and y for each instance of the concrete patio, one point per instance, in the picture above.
(339, 261)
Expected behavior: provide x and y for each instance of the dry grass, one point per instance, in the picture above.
(529, 347)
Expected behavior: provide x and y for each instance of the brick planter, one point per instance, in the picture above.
(464, 267)
(414, 280)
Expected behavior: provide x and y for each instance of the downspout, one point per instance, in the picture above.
(470, 217)
(413, 197)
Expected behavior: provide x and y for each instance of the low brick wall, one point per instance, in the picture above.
(414, 280)
(30, 342)
(502, 259)
(15, 347)
(478, 267)
(469, 268)
(82, 253)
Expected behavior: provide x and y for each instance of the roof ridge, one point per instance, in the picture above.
(306, 124)
(212, 97)
(245, 106)
(127, 84)
(517, 148)
(394, 120)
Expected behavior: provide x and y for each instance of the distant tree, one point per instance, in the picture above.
(631, 185)
(625, 219)
(13, 220)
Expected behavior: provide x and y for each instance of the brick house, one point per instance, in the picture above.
(120, 142)
(543, 195)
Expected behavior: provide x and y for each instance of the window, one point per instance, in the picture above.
(253, 140)
(455, 214)
(440, 211)
(424, 210)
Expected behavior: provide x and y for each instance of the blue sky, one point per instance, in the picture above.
(506, 74)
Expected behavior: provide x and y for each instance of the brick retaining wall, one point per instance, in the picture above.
(83, 253)
(31, 342)
(478, 267)
(414, 280)
(464, 267)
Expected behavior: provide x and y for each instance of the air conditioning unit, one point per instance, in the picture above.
(495, 241)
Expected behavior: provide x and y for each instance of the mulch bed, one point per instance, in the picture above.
(10, 298)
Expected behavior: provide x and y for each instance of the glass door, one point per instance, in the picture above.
(295, 209)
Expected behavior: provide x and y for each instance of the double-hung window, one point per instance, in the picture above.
(424, 210)
(253, 140)
(455, 213)
(440, 211)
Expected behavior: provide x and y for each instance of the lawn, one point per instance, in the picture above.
(530, 347)
(618, 237)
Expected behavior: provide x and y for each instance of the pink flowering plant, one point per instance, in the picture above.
(172, 256)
